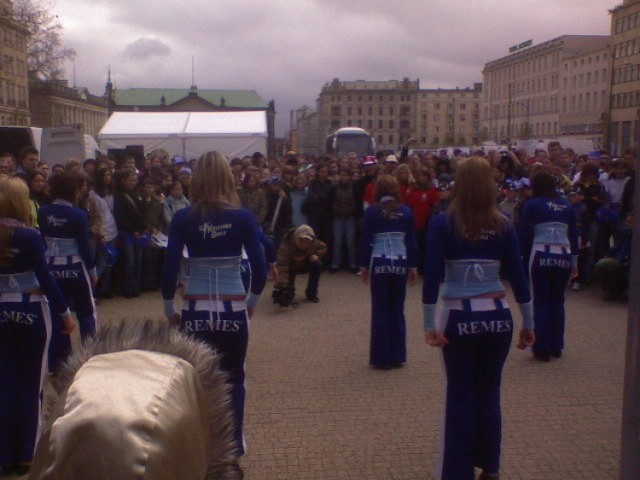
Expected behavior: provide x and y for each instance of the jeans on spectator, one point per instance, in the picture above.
(132, 260)
(344, 231)
(103, 271)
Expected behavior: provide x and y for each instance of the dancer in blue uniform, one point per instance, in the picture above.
(549, 239)
(71, 259)
(26, 288)
(388, 252)
(217, 308)
(474, 328)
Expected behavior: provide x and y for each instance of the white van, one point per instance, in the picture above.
(55, 144)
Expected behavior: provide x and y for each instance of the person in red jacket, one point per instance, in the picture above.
(421, 200)
(405, 181)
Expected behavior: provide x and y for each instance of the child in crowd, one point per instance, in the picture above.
(174, 202)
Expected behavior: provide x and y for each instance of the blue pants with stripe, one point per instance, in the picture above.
(549, 273)
(74, 283)
(25, 330)
(479, 343)
(228, 333)
(388, 345)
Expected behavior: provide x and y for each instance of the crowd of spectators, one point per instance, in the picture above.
(130, 202)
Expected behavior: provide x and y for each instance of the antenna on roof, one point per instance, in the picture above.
(193, 76)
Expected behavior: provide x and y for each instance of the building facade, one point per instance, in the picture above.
(385, 109)
(54, 103)
(191, 100)
(14, 85)
(446, 117)
(540, 91)
(392, 112)
(624, 113)
(305, 134)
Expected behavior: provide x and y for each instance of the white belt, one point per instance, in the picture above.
(218, 306)
(476, 304)
(18, 297)
(542, 247)
(64, 260)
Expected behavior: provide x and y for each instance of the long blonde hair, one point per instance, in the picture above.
(14, 204)
(474, 204)
(402, 168)
(213, 183)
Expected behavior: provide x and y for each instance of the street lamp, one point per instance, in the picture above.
(527, 127)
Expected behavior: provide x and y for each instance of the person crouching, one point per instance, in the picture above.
(299, 252)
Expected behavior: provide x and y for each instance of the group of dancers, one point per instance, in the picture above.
(466, 246)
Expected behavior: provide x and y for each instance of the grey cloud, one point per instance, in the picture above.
(145, 48)
(288, 50)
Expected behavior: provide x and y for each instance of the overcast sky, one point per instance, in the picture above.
(287, 50)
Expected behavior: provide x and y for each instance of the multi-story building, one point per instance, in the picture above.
(624, 113)
(392, 112)
(386, 109)
(540, 91)
(191, 100)
(305, 132)
(14, 85)
(54, 103)
(448, 116)
(584, 93)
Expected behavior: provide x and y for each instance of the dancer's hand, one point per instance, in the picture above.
(364, 275)
(68, 324)
(435, 339)
(174, 319)
(526, 339)
(574, 273)
(413, 276)
(274, 276)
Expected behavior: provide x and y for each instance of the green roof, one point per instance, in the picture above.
(152, 96)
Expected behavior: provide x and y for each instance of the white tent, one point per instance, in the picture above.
(190, 134)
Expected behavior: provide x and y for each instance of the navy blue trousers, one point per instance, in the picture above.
(388, 283)
(478, 346)
(75, 285)
(228, 333)
(549, 273)
(25, 330)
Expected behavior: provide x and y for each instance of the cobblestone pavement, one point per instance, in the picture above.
(316, 411)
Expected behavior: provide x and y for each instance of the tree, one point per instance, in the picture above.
(44, 44)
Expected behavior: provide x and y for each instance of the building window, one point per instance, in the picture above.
(390, 110)
(391, 123)
(380, 124)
